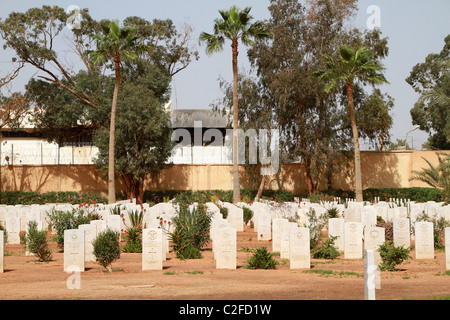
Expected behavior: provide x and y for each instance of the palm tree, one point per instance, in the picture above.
(234, 25)
(436, 176)
(352, 66)
(113, 44)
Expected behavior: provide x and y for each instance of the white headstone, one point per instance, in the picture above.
(373, 238)
(424, 240)
(352, 214)
(73, 249)
(12, 222)
(2, 252)
(284, 238)
(402, 236)
(113, 223)
(369, 274)
(90, 233)
(152, 249)
(353, 234)
(225, 250)
(264, 229)
(369, 217)
(100, 225)
(336, 229)
(447, 248)
(299, 251)
(276, 234)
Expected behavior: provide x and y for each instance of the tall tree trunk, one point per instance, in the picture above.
(358, 179)
(112, 134)
(261, 187)
(236, 185)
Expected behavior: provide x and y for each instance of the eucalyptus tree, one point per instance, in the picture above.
(235, 25)
(352, 66)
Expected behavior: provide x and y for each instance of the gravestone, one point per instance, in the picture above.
(352, 214)
(369, 217)
(353, 234)
(447, 248)
(152, 249)
(90, 233)
(226, 248)
(235, 216)
(73, 249)
(216, 224)
(2, 251)
(369, 274)
(373, 238)
(113, 223)
(401, 232)
(284, 239)
(299, 250)
(424, 240)
(276, 235)
(100, 226)
(12, 222)
(264, 229)
(336, 229)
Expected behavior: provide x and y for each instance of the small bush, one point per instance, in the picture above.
(327, 250)
(65, 220)
(36, 243)
(248, 215)
(191, 232)
(224, 212)
(134, 240)
(261, 259)
(106, 248)
(392, 256)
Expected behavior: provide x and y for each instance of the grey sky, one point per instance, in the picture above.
(415, 28)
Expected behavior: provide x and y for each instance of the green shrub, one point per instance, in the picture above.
(5, 233)
(327, 250)
(392, 256)
(248, 214)
(133, 236)
(106, 248)
(224, 212)
(261, 259)
(315, 226)
(191, 232)
(28, 197)
(36, 242)
(65, 220)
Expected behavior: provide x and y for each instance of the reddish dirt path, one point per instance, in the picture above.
(26, 279)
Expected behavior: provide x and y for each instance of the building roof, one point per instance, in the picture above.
(185, 118)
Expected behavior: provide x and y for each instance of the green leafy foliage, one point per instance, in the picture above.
(191, 232)
(261, 259)
(327, 250)
(133, 237)
(65, 220)
(106, 248)
(392, 256)
(248, 214)
(36, 243)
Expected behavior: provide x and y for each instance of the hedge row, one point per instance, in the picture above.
(27, 198)
(414, 194)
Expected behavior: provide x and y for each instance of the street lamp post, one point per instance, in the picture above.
(406, 139)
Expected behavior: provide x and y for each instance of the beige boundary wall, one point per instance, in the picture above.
(390, 169)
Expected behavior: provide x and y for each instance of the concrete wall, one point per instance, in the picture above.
(391, 169)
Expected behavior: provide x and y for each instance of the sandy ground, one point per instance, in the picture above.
(26, 279)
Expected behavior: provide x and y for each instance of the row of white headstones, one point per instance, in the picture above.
(355, 232)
